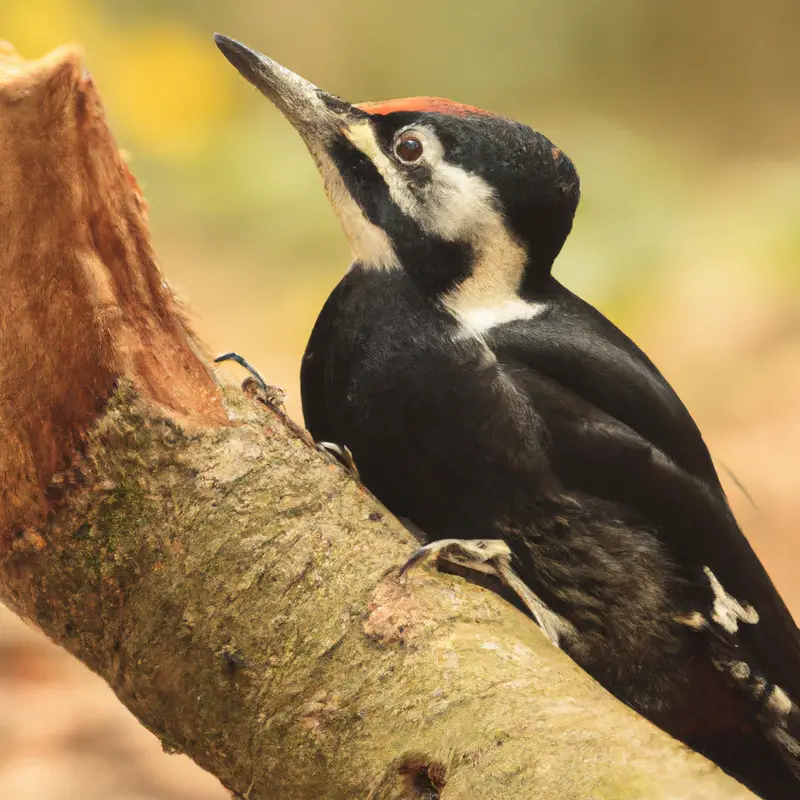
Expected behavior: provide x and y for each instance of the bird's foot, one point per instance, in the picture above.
(492, 556)
(272, 396)
(481, 555)
(342, 454)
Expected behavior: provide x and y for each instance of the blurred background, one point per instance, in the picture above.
(684, 121)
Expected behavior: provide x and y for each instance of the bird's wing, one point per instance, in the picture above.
(749, 633)
(578, 347)
(619, 432)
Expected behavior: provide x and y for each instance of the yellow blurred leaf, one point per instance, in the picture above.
(36, 26)
(167, 87)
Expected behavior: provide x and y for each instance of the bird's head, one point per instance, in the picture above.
(470, 204)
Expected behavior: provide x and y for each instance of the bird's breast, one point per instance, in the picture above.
(433, 423)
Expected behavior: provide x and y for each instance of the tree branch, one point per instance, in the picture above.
(235, 587)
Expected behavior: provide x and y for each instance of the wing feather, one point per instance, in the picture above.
(618, 431)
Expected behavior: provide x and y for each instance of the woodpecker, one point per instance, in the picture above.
(517, 427)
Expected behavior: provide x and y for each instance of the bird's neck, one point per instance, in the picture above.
(491, 293)
(481, 282)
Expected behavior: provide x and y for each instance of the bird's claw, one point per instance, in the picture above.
(473, 553)
(272, 396)
(342, 454)
(493, 556)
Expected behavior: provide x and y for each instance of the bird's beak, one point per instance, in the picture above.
(316, 115)
(328, 126)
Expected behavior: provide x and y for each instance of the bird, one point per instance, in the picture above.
(520, 430)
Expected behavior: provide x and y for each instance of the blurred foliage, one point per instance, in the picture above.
(683, 118)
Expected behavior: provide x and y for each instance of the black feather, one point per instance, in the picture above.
(559, 436)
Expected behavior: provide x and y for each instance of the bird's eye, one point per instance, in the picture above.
(408, 148)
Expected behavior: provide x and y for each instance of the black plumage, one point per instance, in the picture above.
(482, 400)
(554, 448)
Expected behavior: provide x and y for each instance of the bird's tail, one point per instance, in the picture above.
(781, 718)
(777, 712)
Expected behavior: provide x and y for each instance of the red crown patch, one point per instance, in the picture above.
(437, 105)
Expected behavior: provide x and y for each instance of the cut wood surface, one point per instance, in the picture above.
(237, 589)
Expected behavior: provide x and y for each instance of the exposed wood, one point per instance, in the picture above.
(83, 300)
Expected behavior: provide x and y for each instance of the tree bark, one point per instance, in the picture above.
(238, 589)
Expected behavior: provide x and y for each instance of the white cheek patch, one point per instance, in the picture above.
(451, 204)
(456, 201)
(369, 244)
(459, 206)
(728, 612)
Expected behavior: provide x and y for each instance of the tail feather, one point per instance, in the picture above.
(781, 719)
(776, 711)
